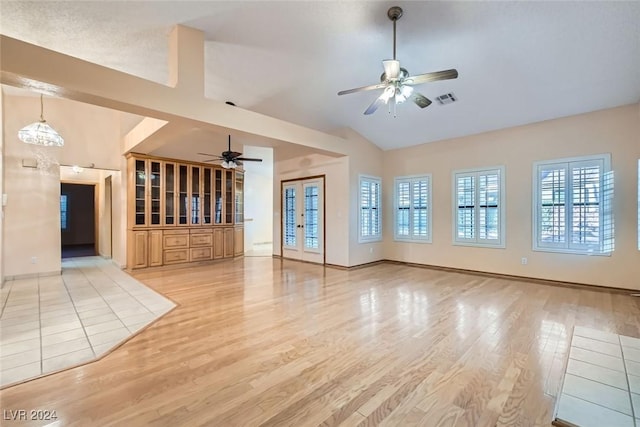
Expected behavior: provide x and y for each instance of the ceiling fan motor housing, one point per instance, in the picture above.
(394, 13)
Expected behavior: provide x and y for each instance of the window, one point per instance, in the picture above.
(572, 205)
(370, 227)
(412, 220)
(479, 207)
(63, 211)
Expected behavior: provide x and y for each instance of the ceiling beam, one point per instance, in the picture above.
(43, 70)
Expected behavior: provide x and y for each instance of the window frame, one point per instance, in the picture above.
(377, 237)
(603, 203)
(500, 242)
(411, 179)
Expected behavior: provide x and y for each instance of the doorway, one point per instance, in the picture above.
(78, 231)
(303, 219)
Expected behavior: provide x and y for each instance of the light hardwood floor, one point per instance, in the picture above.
(260, 341)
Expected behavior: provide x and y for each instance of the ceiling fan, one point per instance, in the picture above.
(396, 82)
(230, 159)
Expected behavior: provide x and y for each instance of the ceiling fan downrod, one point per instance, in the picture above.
(394, 13)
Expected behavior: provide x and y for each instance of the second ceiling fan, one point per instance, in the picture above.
(396, 82)
(230, 159)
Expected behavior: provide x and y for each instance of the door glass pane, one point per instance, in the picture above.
(228, 197)
(206, 216)
(183, 196)
(289, 216)
(155, 193)
(218, 197)
(195, 195)
(141, 178)
(239, 198)
(311, 216)
(169, 183)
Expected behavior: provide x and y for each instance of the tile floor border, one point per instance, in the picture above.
(90, 280)
(586, 405)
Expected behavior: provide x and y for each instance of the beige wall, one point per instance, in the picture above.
(615, 131)
(32, 220)
(365, 159)
(341, 196)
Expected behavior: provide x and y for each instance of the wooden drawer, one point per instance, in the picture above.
(174, 231)
(200, 254)
(200, 231)
(176, 256)
(201, 240)
(175, 241)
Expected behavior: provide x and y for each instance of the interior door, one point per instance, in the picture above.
(303, 220)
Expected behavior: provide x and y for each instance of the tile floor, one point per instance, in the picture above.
(602, 382)
(51, 323)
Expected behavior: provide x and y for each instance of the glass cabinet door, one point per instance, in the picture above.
(169, 194)
(239, 197)
(218, 197)
(183, 195)
(195, 195)
(206, 193)
(154, 183)
(228, 197)
(140, 184)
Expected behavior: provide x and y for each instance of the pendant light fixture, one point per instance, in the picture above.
(40, 133)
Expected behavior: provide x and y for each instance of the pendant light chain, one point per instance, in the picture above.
(42, 109)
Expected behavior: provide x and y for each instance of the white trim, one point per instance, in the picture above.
(375, 237)
(411, 179)
(500, 242)
(603, 160)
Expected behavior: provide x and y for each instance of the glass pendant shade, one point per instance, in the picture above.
(40, 133)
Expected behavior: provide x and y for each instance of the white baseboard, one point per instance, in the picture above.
(33, 275)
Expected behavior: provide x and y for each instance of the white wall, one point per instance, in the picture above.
(258, 196)
(1, 186)
(615, 131)
(106, 230)
(336, 171)
(32, 220)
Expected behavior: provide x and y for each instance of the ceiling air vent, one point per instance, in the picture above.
(447, 98)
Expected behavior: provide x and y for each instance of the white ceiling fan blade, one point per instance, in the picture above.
(362, 89)
(382, 99)
(391, 68)
(374, 105)
(431, 77)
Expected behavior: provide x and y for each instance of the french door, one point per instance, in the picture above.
(303, 220)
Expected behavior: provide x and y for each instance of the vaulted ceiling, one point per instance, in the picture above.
(519, 62)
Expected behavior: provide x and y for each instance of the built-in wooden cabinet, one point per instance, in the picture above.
(182, 212)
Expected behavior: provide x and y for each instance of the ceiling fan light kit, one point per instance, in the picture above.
(396, 82)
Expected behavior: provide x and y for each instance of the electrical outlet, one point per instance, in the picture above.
(34, 260)
(370, 250)
(524, 260)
